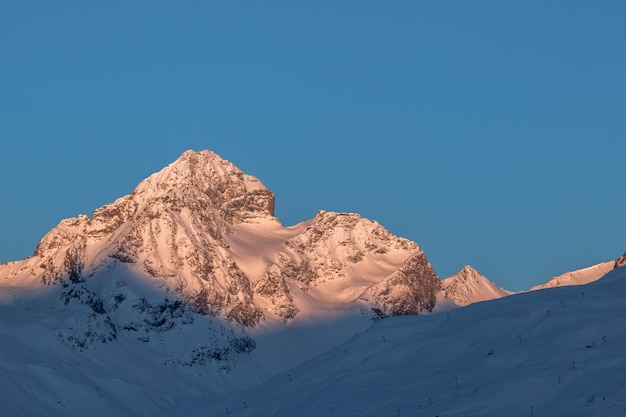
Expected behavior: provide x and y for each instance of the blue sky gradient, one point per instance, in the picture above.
(492, 133)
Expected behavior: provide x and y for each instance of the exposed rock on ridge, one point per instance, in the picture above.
(409, 290)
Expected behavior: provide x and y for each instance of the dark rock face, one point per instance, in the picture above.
(224, 355)
(410, 290)
(273, 287)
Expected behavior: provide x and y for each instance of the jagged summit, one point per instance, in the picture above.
(199, 187)
(468, 271)
(206, 176)
(469, 274)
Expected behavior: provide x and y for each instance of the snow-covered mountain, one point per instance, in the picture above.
(191, 276)
(190, 287)
(204, 233)
(469, 286)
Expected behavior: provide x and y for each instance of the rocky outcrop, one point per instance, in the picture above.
(410, 290)
(273, 287)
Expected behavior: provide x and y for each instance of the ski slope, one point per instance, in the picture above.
(554, 352)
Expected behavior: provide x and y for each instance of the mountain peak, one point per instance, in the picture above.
(469, 286)
(468, 271)
(198, 175)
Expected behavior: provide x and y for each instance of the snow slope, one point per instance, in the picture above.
(578, 277)
(469, 286)
(118, 342)
(554, 352)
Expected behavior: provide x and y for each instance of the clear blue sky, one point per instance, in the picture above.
(492, 133)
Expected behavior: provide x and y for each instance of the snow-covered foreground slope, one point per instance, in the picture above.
(554, 352)
(114, 345)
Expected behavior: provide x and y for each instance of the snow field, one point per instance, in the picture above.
(554, 352)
